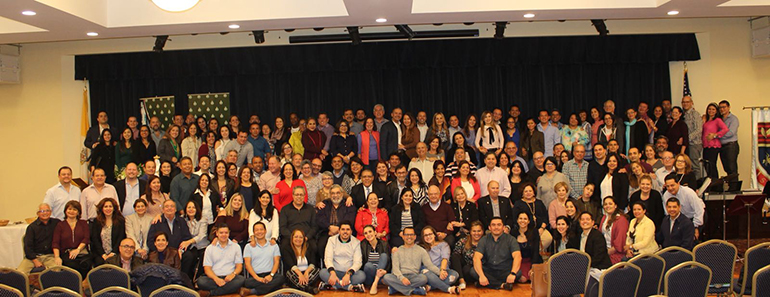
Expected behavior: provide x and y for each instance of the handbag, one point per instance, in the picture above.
(545, 241)
(538, 276)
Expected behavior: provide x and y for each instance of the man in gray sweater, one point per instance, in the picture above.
(405, 277)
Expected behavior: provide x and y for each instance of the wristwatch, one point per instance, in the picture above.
(514, 273)
(272, 274)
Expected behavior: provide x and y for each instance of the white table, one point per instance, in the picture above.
(10, 241)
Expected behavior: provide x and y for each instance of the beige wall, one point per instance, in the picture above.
(41, 116)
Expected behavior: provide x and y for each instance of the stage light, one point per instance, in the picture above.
(354, 35)
(404, 29)
(601, 27)
(175, 5)
(259, 36)
(28, 12)
(160, 42)
(500, 30)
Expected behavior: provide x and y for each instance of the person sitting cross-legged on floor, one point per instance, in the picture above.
(262, 260)
(222, 263)
(497, 261)
(343, 262)
(405, 276)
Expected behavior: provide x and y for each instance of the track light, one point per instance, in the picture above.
(601, 27)
(354, 35)
(404, 29)
(259, 36)
(500, 30)
(160, 42)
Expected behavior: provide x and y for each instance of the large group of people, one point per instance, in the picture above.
(412, 204)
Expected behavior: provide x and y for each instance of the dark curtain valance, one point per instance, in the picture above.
(453, 76)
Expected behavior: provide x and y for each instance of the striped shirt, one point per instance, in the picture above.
(406, 219)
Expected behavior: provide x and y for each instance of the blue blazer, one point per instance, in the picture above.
(681, 235)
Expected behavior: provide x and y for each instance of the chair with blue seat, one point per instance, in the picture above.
(115, 292)
(652, 273)
(719, 256)
(57, 292)
(8, 291)
(289, 292)
(673, 256)
(108, 275)
(689, 279)
(61, 276)
(761, 282)
(174, 291)
(568, 272)
(756, 257)
(620, 280)
(15, 279)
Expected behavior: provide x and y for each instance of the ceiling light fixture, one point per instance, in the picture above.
(673, 12)
(175, 5)
(92, 34)
(381, 20)
(529, 15)
(234, 26)
(28, 12)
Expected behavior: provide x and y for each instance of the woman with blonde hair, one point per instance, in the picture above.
(235, 216)
(489, 136)
(439, 130)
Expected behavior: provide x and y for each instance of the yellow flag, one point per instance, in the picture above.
(84, 121)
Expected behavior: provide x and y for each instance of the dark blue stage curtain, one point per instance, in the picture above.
(459, 76)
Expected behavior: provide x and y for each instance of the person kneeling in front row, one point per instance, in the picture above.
(262, 261)
(222, 263)
(497, 260)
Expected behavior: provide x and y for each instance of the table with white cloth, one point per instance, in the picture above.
(12, 249)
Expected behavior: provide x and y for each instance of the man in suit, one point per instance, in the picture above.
(494, 205)
(130, 189)
(361, 191)
(390, 134)
(394, 188)
(597, 168)
(591, 241)
(675, 229)
(178, 235)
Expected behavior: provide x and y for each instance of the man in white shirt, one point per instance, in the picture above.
(61, 193)
(493, 173)
(692, 206)
(129, 189)
(422, 163)
(222, 264)
(343, 261)
(668, 167)
(422, 125)
(94, 193)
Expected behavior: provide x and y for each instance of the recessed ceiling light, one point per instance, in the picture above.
(175, 5)
(381, 20)
(28, 12)
(529, 15)
(234, 26)
(92, 34)
(673, 12)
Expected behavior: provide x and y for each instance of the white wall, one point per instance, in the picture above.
(41, 117)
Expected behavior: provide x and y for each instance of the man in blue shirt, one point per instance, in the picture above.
(551, 134)
(261, 147)
(262, 261)
(222, 263)
(730, 148)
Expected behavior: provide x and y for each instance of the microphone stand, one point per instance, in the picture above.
(725, 186)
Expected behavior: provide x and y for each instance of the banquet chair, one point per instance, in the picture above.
(689, 279)
(568, 272)
(174, 291)
(57, 292)
(673, 256)
(8, 291)
(652, 273)
(15, 279)
(719, 256)
(761, 282)
(108, 275)
(116, 292)
(620, 280)
(61, 276)
(756, 257)
(289, 292)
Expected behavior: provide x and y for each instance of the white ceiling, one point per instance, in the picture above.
(62, 20)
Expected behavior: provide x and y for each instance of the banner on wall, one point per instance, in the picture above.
(210, 106)
(161, 107)
(760, 165)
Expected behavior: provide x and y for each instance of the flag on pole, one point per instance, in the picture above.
(84, 118)
(686, 84)
(760, 165)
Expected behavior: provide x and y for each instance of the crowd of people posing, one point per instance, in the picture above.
(412, 205)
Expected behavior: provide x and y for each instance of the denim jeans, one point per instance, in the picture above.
(416, 281)
(370, 269)
(357, 278)
(436, 282)
(232, 287)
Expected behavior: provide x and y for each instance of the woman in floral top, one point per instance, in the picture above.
(574, 134)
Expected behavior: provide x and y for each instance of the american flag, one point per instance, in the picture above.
(686, 84)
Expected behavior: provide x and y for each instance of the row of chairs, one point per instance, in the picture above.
(674, 271)
(114, 291)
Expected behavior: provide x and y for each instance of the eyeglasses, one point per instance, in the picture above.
(130, 247)
(410, 235)
(44, 211)
(428, 234)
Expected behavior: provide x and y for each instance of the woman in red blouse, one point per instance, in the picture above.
(288, 181)
(70, 239)
(313, 141)
(371, 215)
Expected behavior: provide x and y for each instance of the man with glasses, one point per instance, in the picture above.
(128, 260)
(405, 276)
(38, 240)
(361, 191)
(730, 148)
(695, 128)
(668, 167)
(538, 168)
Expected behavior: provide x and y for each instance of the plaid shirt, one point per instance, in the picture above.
(577, 176)
(694, 126)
